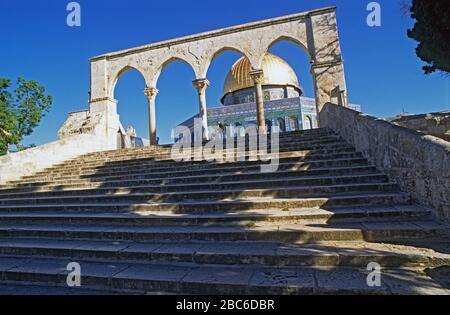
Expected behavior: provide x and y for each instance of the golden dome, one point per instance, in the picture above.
(276, 72)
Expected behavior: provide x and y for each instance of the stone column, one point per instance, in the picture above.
(326, 59)
(107, 107)
(329, 83)
(151, 93)
(258, 78)
(201, 85)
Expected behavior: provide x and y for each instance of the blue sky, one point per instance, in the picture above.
(383, 73)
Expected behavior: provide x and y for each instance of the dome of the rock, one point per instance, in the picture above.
(277, 72)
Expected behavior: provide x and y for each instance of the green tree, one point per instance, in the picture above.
(432, 31)
(21, 112)
(7, 119)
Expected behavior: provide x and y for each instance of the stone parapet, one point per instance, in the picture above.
(419, 163)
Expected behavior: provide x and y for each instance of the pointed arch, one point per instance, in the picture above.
(119, 74)
(287, 38)
(173, 77)
(294, 52)
(216, 53)
(308, 123)
(164, 64)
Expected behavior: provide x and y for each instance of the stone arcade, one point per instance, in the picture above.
(314, 31)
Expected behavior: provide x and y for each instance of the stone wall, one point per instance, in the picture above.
(419, 163)
(16, 165)
(435, 124)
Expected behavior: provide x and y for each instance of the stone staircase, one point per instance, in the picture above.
(138, 222)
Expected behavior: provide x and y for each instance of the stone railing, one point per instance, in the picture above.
(419, 163)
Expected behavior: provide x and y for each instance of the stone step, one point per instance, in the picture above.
(317, 145)
(283, 138)
(38, 289)
(172, 165)
(243, 218)
(200, 279)
(138, 221)
(322, 254)
(181, 170)
(167, 158)
(353, 231)
(299, 155)
(167, 178)
(203, 167)
(282, 147)
(252, 165)
(214, 206)
(248, 141)
(186, 194)
(74, 185)
(223, 185)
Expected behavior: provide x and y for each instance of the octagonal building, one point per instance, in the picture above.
(284, 105)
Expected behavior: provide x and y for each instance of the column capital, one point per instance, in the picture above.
(257, 76)
(201, 85)
(151, 92)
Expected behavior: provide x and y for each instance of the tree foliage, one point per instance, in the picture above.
(7, 121)
(432, 31)
(21, 111)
